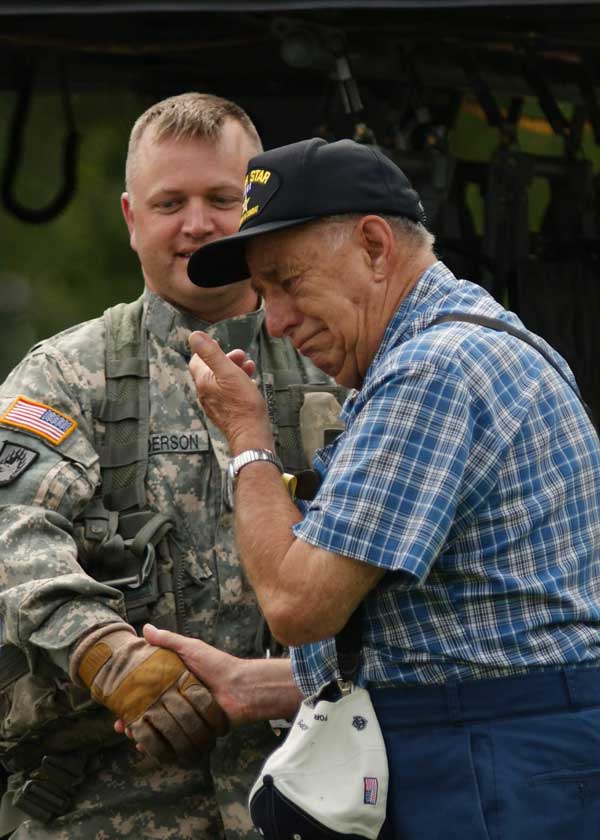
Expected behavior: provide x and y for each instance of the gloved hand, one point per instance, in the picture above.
(170, 713)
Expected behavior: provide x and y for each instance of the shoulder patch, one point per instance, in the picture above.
(14, 460)
(40, 419)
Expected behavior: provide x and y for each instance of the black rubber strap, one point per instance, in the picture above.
(348, 645)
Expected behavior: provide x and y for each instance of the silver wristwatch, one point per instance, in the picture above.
(241, 460)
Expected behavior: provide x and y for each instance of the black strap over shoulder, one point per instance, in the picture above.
(502, 326)
(348, 646)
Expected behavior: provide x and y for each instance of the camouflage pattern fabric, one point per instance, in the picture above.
(47, 601)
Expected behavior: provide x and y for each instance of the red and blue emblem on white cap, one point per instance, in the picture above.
(371, 789)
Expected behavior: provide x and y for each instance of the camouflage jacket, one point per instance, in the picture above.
(49, 472)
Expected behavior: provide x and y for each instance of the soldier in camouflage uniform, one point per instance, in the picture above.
(111, 509)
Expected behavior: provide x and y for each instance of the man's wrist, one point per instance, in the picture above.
(88, 640)
(242, 460)
(263, 689)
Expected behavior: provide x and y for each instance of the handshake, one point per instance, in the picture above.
(170, 714)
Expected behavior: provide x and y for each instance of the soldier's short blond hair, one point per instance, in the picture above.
(199, 115)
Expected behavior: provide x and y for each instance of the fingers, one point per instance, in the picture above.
(204, 704)
(151, 741)
(196, 340)
(201, 373)
(209, 358)
(181, 719)
(121, 727)
(238, 357)
(162, 638)
(209, 352)
(181, 725)
(218, 672)
(190, 650)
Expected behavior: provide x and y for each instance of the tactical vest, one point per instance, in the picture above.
(119, 539)
(124, 544)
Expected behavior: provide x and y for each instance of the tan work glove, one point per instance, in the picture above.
(169, 713)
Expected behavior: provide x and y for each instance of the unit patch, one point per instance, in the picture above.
(259, 187)
(14, 460)
(185, 442)
(39, 419)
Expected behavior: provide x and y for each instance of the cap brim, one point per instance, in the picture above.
(277, 816)
(224, 261)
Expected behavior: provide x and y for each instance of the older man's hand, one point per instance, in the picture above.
(228, 395)
(247, 690)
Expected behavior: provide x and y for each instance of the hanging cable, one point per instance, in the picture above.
(15, 153)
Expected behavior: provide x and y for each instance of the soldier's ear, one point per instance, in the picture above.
(127, 208)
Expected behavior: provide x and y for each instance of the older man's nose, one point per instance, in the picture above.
(280, 317)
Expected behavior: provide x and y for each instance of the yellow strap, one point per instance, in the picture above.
(290, 482)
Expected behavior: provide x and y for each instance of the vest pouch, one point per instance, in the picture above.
(320, 421)
(307, 419)
(121, 550)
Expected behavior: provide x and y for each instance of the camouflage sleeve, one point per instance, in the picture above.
(48, 473)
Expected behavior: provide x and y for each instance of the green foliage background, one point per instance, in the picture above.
(56, 274)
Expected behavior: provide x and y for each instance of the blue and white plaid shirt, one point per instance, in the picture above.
(468, 465)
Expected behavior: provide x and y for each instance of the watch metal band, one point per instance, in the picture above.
(251, 455)
(240, 461)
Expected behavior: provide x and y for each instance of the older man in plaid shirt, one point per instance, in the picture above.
(460, 508)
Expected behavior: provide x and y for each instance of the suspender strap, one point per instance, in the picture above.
(502, 326)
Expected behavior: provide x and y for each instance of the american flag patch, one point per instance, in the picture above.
(370, 790)
(42, 420)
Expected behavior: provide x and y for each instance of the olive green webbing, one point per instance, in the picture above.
(125, 410)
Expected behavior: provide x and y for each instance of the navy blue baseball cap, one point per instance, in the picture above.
(298, 183)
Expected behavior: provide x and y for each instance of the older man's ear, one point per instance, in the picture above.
(377, 239)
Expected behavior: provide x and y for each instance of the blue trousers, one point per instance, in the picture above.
(516, 758)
